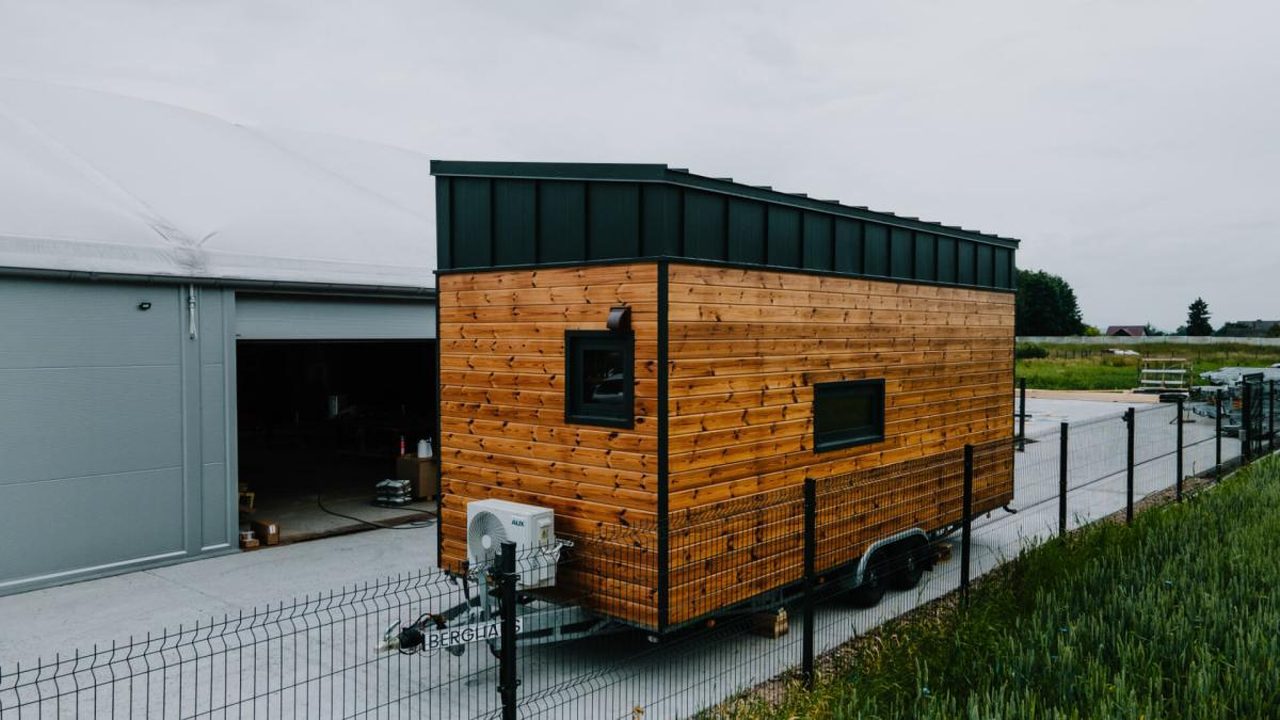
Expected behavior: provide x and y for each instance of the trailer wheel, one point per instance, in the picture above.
(873, 585)
(909, 566)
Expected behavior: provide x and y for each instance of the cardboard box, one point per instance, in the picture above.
(267, 532)
(424, 473)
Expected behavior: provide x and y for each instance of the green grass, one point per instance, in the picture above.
(1177, 616)
(1088, 367)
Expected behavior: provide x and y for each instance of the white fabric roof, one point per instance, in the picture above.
(96, 182)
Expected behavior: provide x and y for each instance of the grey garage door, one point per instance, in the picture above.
(297, 317)
(103, 463)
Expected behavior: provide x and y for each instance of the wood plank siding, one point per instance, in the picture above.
(746, 348)
(503, 429)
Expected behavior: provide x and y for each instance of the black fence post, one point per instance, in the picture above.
(1178, 422)
(1130, 420)
(1062, 478)
(810, 550)
(1247, 401)
(1271, 417)
(1217, 435)
(966, 536)
(1022, 414)
(507, 681)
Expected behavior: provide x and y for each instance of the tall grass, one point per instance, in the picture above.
(1090, 367)
(1177, 616)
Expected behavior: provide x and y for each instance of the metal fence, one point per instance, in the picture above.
(486, 645)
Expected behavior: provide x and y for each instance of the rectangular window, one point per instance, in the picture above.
(847, 413)
(599, 377)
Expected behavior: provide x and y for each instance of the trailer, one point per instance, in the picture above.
(663, 358)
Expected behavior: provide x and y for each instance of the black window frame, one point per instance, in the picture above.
(854, 436)
(579, 412)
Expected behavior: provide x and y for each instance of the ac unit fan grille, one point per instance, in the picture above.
(485, 526)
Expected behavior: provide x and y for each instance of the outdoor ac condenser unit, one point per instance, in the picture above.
(531, 528)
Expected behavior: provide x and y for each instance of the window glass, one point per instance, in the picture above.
(600, 379)
(602, 376)
(847, 413)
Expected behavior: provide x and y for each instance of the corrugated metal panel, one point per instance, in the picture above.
(472, 226)
(562, 227)
(300, 317)
(704, 225)
(660, 215)
(986, 265)
(514, 222)
(444, 223)
(848, 249)
(926, 249)
(746, 231)
(947, 263)
(782, 241)
(901, 251)
(818, 253)
(613, 220)
(876, 245)
(519, 214)
(965, 261)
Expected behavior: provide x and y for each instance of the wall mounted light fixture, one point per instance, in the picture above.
(619, 318)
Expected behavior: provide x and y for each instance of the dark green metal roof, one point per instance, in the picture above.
(507, 214)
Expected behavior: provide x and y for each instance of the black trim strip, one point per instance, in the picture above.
(438, 448)
(282, 287)
(664, 549)
(660, 259)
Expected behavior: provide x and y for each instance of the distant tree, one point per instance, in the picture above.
(1154, 331)
(1091, 331)
(1198, 319)
(1046, 305)
(1274, 331)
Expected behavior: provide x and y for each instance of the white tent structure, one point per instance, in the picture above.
(100, 183)
(141, 247)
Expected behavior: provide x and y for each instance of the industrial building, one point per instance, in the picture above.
(190, 308)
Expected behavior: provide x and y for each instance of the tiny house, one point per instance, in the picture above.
(631, 345)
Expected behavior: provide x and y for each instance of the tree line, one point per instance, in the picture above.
(1047, 305)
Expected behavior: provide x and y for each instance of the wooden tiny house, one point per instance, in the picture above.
(640, 347)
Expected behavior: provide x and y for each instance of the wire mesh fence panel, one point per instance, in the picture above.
(1096, 452)
(1036, 472)
(729, 567)
(320, 657)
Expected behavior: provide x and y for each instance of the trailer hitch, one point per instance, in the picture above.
(409, 640)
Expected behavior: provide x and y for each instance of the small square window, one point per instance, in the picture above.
(600, 377)
(847, 413)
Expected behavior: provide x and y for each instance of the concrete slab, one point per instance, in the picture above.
(60, 619)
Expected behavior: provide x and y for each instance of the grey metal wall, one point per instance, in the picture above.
(114, 427)
(306, 317)
(117, 425)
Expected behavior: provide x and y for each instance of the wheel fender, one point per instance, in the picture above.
(883, 543)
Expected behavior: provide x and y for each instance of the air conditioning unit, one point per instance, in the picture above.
(531, 528)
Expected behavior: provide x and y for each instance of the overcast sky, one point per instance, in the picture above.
(1133, 146)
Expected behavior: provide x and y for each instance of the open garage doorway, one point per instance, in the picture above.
(321, 423)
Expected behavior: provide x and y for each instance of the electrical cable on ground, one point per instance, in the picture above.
(418, 525)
